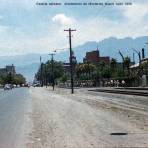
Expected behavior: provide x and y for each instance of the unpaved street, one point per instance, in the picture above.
(86, 120)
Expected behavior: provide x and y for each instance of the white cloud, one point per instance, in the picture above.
(63, 19)
(94, 29)
(26, 44)
(88, 29)
(100, 28)
(136, 12)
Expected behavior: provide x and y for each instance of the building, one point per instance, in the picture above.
(8, 69)
(142, 61)
(141, 72)
(94, 57)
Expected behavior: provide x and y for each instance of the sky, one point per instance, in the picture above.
(29, 28)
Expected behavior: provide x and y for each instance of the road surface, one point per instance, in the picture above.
(14, 105)
(41, 118)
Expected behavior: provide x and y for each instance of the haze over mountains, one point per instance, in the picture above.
(29, 64)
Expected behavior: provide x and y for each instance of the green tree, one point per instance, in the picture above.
(12, 79)
(127, 62)
(120, 73)
(85, 70)
(64, 78)
(102, 65)
(78, 70)
(19, 79)
(145, 68)
(45, 72)
(113, 66)
(106, 73)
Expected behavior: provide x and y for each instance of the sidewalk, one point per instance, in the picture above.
(81, 120)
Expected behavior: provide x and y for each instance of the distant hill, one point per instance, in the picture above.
(28, 64)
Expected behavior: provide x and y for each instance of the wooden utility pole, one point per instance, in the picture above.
(52, 68)
(46, 74)
(71, 62)
(41, 72)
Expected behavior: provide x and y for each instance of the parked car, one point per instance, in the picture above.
(14, 86)
(7, 87)
(36, 85)
(18, 86)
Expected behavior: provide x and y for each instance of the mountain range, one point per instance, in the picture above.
(28, 64)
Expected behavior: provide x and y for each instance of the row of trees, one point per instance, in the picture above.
(123, 71)
(89, 71)
(45, 74)
(12, 79)
(84, 71)
(101, 70)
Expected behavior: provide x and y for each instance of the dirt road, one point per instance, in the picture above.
(86, 120)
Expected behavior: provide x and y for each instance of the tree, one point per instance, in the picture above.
(85, 70)
(19, 79)
(106, 73)
(78, 70)
(120, 73)
(127, 62)
(102, 65)
(12, 79)
(64, 78)
(113, 66)
(46, 71)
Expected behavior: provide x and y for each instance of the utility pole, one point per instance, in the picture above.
(52, 68)
(71, 62)
(41, 74)
(46, 74)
